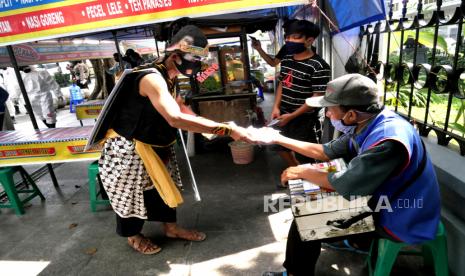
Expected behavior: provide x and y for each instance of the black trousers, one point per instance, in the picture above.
(157, 210)
(301, 257)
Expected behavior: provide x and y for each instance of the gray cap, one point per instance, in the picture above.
(348, 90)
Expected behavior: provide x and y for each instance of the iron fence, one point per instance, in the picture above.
(423, 72)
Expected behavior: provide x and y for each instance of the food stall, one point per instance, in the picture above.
(224, 90)
(30, 21)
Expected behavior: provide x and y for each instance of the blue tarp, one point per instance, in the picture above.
(350, 14)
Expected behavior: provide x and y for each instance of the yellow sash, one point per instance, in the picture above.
(157, 171)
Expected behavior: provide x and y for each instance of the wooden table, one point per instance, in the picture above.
(315, 210)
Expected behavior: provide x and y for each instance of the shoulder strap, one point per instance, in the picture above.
(407, 183)
(414, 177)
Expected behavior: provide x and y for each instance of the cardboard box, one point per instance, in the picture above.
(318, 213)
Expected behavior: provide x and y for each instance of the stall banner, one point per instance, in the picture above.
(89, 110)
(143, 47)
(51, 52)
(47, 152)
(53, 145)
(25, 20)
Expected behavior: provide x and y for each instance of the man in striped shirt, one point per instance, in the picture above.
(304, 74)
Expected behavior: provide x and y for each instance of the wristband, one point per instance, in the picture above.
(223, 130)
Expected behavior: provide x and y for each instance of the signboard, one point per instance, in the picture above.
(89, 110)
(53, 145)
(66, 50)
(26, 20)
(51, 52)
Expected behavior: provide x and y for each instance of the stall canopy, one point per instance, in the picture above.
(51, 51)
(54, 51)
(26, 21)
(350, 14)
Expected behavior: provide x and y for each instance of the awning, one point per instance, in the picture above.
(68, 50)
(26, 21)
(50, 52)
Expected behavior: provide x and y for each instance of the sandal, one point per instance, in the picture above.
(188, 235)
(144, 245)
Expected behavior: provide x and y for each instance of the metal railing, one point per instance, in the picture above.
(423, 72)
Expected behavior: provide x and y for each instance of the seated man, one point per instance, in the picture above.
(386, 160)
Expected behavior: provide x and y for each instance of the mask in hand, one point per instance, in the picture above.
(185, 65)
(293, 48)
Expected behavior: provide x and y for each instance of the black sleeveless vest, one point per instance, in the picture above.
(137, 118)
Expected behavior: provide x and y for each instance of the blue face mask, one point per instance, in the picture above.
(293, 48)
(340, 126)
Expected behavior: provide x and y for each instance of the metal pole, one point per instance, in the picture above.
(401, 51)
(194, 183)
(21, 87)
(388, 28)
(456, 57)
(245, 52)
(415, 52)
(156, 43)
(423, 130)
(28, 105)
(121, 66)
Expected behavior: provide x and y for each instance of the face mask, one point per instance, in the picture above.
(185, 65)
(340, 126)
(293, 48)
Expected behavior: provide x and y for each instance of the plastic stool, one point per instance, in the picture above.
(434, 253)
(6, 179)
(94, 201)
(72, 105)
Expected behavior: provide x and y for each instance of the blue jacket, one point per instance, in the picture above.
(414, 215)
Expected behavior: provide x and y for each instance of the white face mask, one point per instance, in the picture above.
(340, 126)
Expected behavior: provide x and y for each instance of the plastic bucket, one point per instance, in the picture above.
(242, 152)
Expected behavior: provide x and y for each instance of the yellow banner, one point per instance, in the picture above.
(46, 19)
(46, 152)
(89, 111)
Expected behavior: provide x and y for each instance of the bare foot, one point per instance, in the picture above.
(174, 231)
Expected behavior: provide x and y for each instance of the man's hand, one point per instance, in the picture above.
(239, 133)
(285, 119)
(256, 44)
(275, 113)
(297, 172)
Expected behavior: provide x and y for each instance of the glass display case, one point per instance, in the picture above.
(235, 73)
(221, 91)
(210, 81)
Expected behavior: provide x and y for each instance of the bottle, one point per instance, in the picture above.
(75, 93)
(75, 97)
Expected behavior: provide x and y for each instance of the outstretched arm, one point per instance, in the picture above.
(154, 87)
(311, 150)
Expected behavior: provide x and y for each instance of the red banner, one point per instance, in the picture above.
(64, 18)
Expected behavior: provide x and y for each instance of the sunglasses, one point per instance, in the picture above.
(194, 50)
(191, 57)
